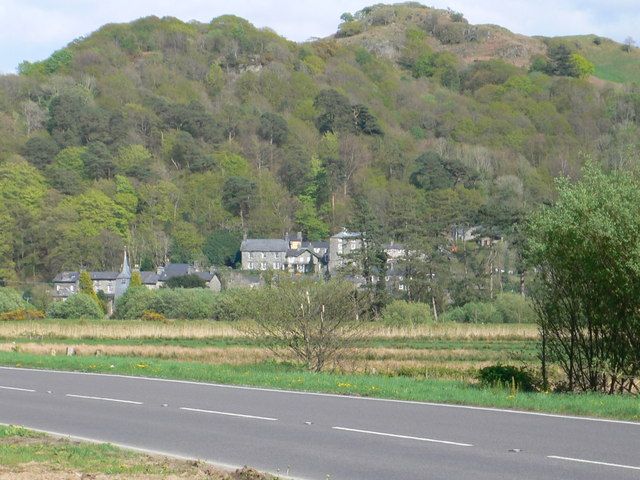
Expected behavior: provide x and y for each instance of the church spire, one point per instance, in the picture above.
(126, 269)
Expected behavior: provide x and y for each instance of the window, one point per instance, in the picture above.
(250, 265)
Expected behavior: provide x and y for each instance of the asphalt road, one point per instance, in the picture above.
(315, 436)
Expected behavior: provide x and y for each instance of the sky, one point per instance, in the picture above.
(33, 29)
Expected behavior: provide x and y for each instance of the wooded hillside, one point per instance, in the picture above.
(175, 138)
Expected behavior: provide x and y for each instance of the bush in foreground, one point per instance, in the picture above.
(79, 305)
(507, 376)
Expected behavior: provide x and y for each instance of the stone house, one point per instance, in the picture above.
(115, 284)
(341, 246)
(292, 255)
(264, 254)
(112, 284)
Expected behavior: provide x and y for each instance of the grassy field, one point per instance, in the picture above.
(611, 62)
(25, 455)
(437, 363)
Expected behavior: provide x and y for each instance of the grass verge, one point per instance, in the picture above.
(291, 377)
(25, 454)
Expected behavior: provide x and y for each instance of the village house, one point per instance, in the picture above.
(291, 255)
(114, 284)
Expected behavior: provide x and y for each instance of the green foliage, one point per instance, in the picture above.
(159, 132)
(186, 281)
(222, 248)
(474, 312)
(582, 66)
(238, 195)
(179, 303)
(350, 28)
(67, 172)
(273, 128)
(404, 313)
(11, 300)
(587, 256)
(79, 305)
(514, 308)
(40, 151)
(85, 285)
(507, 376)
(136, 279)
(337, 114)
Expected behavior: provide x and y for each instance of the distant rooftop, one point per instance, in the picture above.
(264, 245)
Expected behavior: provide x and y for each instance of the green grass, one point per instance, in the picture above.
(62, 454)
(611, 62)
(286, 376)
(33, 454)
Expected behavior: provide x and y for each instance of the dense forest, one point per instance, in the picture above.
(177, 138)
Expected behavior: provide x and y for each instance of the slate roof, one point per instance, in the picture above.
(66, 277)
(175, 270)
(149, 278)
(206, 276)
(104, 275)
(299, 251)
(347, 234)
(73, 277)
(264, 245)
(324, 245)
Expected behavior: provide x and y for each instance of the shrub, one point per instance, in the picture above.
(22, 314)
(11, 300)
(474, 312)
(401, 312)
(514, 308)
(507, 375)
(349, 29)
(186, 281)
(239, 304)
(79, 305)
(183, 303)
(151, 316)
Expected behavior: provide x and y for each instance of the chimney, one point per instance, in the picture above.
(299, 236)
(286, 237)
(160, 270)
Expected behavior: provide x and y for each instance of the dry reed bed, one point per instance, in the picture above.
(204, 330)
(434, 363)
(210, 355)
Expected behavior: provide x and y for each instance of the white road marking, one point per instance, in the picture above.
(215, 412)
(593, 462)
(106, 399)
(17, 389)
(330, 395)
(422, 439)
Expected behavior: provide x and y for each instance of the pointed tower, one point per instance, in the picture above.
(124, 277)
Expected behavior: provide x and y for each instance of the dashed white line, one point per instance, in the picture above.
(593, 462)
(229, 414)
(17, 389)
(106, 399)
(329, 395)
(407, 437)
